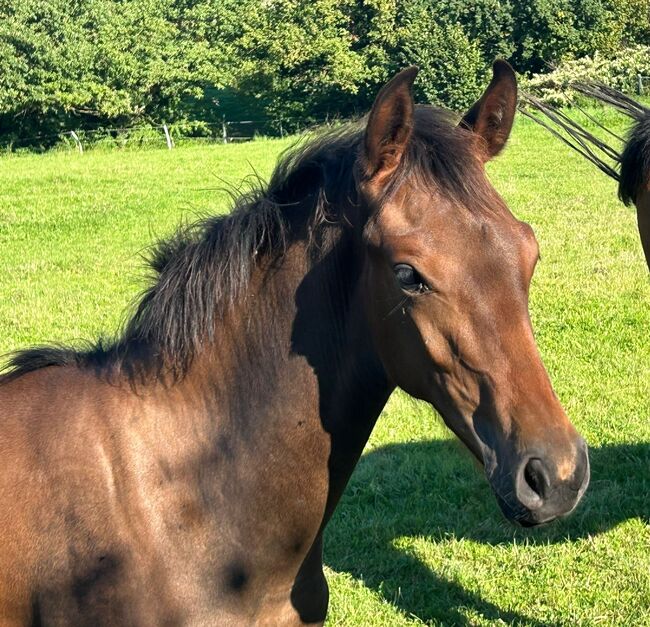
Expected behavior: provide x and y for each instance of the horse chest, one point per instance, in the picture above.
(200, 521)
(190, 552)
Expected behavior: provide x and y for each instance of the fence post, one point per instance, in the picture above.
(77, 141)
(224, 130)
(168, 137)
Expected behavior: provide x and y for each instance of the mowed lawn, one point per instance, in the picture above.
(418, 537)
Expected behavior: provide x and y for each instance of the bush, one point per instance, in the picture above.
(91, 63)
(554, 31)
(620, 71)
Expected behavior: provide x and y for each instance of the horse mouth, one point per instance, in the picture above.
(521, 516)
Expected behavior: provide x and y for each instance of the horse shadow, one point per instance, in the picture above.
(434, 489)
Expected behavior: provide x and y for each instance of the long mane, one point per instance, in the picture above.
(204, 269)
(626, 160)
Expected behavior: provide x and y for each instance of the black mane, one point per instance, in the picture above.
(635, 160)
(204, 268)
(630, 165)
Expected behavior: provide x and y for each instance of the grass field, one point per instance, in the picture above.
(418, 537)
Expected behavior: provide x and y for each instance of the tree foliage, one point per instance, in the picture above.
(88, 63)
(452, 68)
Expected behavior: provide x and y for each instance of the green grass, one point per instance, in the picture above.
(418, 537)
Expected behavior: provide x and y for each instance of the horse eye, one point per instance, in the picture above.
(409, 279)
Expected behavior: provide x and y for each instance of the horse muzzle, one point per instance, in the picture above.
(540, 489)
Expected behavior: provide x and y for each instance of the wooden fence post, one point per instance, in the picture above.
(77, 141)
(168, 137)
(224, 130)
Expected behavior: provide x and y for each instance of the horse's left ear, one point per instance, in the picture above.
(491, 117)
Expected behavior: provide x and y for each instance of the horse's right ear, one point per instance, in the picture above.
(389, 128)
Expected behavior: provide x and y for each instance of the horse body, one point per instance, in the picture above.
(643, 220)
(239, 466)
(184, 475)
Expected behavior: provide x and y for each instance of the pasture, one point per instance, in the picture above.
(418, 536)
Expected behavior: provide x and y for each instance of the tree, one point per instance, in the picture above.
(452, 68)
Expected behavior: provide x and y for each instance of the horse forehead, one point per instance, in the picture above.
(412, 211)
(434, 217)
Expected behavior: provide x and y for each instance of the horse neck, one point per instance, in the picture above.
(297, 350)
(642, 203)
(331, 332)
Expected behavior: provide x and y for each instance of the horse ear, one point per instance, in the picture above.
(389, 127)
(491, 117)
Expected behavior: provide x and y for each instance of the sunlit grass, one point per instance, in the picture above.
(418, 537)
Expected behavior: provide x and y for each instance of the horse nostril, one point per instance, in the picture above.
(581, 475)
(535, 483)
(541, 495)
(536, 477)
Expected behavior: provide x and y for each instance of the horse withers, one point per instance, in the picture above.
(183, 474)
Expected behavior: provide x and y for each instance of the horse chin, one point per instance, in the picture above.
(511, 514)
(519, 516)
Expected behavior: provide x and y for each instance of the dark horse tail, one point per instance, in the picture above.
(625, 160)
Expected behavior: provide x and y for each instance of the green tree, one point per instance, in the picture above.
(87, 63)
(91, 62)
(452, 68)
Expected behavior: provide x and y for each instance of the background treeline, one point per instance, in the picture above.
(86, 64)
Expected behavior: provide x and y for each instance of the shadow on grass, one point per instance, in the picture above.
(433, 489)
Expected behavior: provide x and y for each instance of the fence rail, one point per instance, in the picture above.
(225, 131)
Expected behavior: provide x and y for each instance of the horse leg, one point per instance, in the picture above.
(310, 594)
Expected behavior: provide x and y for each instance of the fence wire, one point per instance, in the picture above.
(225, 132)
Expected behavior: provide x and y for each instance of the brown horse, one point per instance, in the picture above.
(633, 160)
(184, 473)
